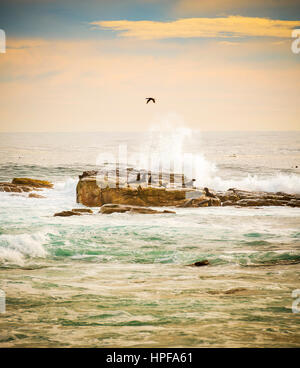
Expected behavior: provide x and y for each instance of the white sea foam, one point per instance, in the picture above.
(11, 256)
(278, 183)
(66, 187)
(14, 248)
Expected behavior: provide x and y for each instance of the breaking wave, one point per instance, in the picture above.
(169, 140)
(278, 183)
(16, 248)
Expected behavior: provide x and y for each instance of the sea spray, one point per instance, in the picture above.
(168, 141)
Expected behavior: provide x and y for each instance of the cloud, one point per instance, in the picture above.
(232, 26)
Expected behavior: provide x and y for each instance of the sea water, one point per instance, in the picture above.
(121, 279)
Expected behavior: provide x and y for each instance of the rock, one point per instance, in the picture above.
(82, 210)
(294, 203)
(119, 208)
(208, 193)
(200, 263)
(229, 195)
(34, 195)
(33, 182)
(215, 202)
(243, 198)
(9, 187)
(25, 188)
(67, 213)
(202, 201)
(94, 191)
(111, 208)
(196, 202)
(260, 202)
(88, 173)
(235, 291)
(228, 203)
(92, 195)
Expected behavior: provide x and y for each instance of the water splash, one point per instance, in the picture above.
(168, 142)
(167, 145)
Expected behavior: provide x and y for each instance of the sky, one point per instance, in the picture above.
(88, 65)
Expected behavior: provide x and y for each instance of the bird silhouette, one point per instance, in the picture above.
(208, 193)
(150, 99)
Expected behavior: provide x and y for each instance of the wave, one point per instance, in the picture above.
(276, 183)
(65, 188)
(166, 148)
(16, 248)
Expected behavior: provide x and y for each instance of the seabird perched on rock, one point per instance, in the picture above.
(208, 194)
(150, 99)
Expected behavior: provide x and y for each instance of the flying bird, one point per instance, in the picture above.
(150, 99)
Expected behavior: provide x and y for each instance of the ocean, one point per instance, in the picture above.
(122, 280)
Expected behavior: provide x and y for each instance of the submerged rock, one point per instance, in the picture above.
(20, 185)
(34, 195)
(14, 188)
(33, 182)
(119, 208)
(67, 213)
(205, 262)
(82, 210)
(235, 291)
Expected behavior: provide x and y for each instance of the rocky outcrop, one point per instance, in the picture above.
(143, 192)
(35, 183)
(243, 198)
(74, 212)
(20, 185)
(92, 195)
(119, 208)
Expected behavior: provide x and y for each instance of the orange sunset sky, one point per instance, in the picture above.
(88, 66)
